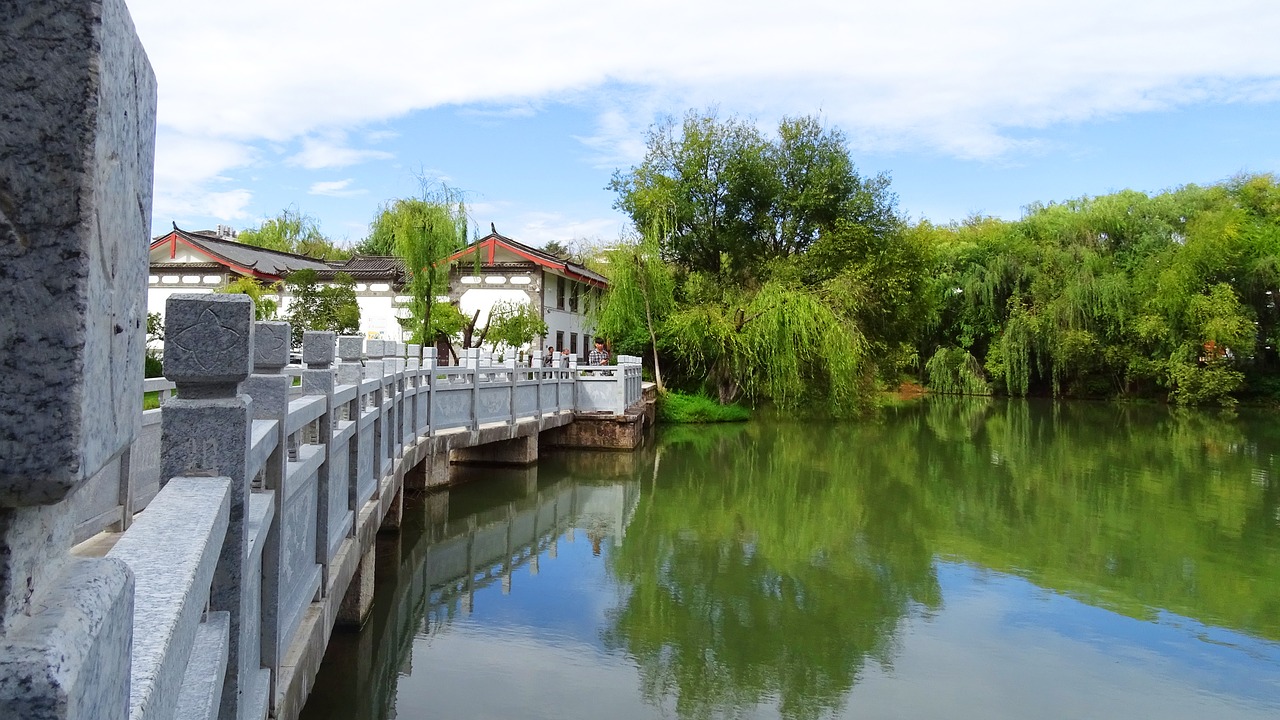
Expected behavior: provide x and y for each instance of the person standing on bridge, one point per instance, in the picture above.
(598, 356)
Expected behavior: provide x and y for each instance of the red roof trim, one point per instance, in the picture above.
(175, 238)
(491, 244)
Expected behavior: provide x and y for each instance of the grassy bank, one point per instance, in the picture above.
(679, 408)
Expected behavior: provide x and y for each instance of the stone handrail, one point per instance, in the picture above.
(299, 472)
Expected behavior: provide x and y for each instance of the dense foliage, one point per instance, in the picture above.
(759, 253)
(1121, 295)
(315, 306)
(295, 232)
(769, 270)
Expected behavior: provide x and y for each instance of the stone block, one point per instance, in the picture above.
(350, 347)
(70, 659)
(77, 147)
(375, 348)
(317, 348)
(208, 339)
(270, 346)
(172, 550)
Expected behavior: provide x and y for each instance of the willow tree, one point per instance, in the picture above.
(424, 231)
(788, 344)
(641, 295)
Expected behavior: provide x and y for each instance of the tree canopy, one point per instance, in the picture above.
(422, 232)
(295, 232)
(769, 269)
(316, 306)
(737, 199)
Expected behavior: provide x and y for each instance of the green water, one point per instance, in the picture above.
(960, 559)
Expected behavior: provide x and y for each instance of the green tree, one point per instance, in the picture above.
(295, 232)
(640, 296)
(423, 232)
(264, 308)
(737, 199)
(514, 324)
(316, 306)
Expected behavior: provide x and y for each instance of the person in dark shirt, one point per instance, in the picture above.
(598, 356)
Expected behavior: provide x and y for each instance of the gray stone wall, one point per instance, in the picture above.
(77, 135)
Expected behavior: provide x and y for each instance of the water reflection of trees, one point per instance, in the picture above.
(771, 563)
(776, 582)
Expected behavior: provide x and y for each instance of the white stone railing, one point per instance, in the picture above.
(279, 483)
(609, 388)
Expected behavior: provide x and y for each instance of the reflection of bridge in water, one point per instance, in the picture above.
(455, 545)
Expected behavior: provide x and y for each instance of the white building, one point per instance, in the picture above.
(564, 292)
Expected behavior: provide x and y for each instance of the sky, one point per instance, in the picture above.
(970, 106)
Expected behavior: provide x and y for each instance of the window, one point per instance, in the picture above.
(573, 344)
(559, 341)
(559, 293)
(573, 298)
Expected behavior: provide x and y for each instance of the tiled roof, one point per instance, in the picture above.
(268, 262)
(368, 267)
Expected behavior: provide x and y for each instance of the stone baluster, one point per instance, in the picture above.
(351, 372)
(77, 98)
(205, 432)
(398, 406)
(473, 362)
(318, 378)
(429, 380)
(268, 388)
(375, 369)
(413, 379)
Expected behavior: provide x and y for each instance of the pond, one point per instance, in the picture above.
(956, 558)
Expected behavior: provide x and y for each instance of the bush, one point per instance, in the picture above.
(152, 365)
(953, 371)
(676, 407)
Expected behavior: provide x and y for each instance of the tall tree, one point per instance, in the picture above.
(424, 231)
(739, 199)
(641, 295)
(295, 232)
(316, 306)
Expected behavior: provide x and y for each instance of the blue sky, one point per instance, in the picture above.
(971, 107)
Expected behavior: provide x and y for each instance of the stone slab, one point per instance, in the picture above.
(172, 549)
(70, 660)
(77, 147)
(199, 698)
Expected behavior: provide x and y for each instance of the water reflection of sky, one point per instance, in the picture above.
(1000, 647)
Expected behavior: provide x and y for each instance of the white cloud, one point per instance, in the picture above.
(964, 78)
(539, 228)
(190, 178)
(335, 188)
(330, 151)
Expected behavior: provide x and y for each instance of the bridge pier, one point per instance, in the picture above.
(516, 451)
(358, 600)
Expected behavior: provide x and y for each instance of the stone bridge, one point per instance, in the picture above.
(236, 546)
(316, 470)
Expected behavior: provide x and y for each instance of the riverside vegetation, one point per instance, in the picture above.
(769, 270)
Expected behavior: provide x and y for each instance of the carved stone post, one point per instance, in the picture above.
(351, 372)
(332, 514)
(205, 431)
(77, 98)
(375, 369)
(268, 389)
